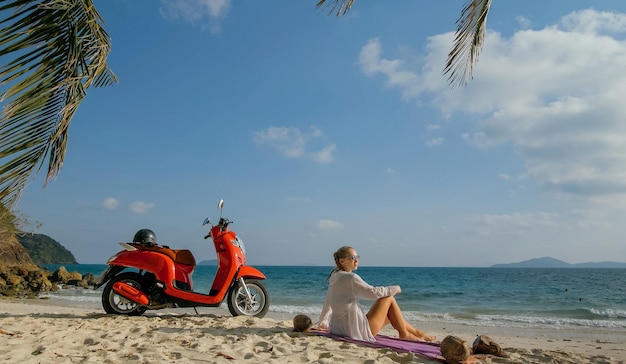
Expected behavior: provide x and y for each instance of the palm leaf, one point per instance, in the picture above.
(468, 41)
(58, 49)
(342, 6)
(470, 34)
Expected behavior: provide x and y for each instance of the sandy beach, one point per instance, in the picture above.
(43, 331)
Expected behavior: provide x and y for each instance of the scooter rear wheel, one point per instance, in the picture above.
(114, 303)
(240, 305)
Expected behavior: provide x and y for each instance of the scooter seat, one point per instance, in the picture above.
(182, 256)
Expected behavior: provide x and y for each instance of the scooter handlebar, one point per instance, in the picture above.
(224, 222)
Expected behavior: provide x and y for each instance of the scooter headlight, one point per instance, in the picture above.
(240, 244)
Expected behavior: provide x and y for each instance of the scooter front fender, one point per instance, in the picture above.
(105, 276)
(246, 271)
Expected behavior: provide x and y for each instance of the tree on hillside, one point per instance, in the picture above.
(57, 49)
(45, 250)
(8, 223)
(11, 251)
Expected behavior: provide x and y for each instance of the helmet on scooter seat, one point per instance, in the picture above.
(145, 236)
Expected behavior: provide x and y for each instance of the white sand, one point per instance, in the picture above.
(41, 331)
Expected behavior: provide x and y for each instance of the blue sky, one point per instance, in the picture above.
(320, 131)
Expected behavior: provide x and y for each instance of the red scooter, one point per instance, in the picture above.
(147, 276)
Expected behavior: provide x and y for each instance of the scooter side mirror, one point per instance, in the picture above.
(220, 204)
(206, 221)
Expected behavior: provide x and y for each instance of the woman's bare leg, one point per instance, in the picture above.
(420, 333)
(386, 310)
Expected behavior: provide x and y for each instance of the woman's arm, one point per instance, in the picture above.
(364, 290)
(322, 323)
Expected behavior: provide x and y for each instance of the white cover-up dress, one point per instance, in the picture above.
(342, 313)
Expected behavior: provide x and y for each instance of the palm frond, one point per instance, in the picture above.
(470, 34)
(58, 49)
(342, 6)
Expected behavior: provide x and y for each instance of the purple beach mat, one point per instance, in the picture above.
(423, 348)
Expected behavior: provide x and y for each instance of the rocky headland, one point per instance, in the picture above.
(20, 276)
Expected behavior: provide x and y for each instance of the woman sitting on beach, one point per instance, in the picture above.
(342, 315)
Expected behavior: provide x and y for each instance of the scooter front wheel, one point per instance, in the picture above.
(256, 304)
(112, 302)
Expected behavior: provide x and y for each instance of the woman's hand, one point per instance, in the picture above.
(394, 290)
(320, 327)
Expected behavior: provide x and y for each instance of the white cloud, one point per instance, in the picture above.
(523, 22)
(554, 94)
(513, 224)
(396, 73)
(316, 133)
(330, 225)
(433, 127)
(290, 141)
(110, 203)
(325, 155)
(140, 207)
(293, 143)
(590, 219)
(434, 142)
(202, 13)
(591, 21)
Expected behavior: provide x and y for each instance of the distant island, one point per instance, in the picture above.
(548, 262)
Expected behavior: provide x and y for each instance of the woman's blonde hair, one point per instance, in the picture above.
(342, 252)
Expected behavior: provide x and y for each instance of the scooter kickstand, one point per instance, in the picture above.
(196, 309)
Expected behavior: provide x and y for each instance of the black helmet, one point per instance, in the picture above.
(145, 236)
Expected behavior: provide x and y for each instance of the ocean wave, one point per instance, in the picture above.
(523, 321)
(515, 321)
(486, 320)
(291, 309)
(75, 294)
(613, 314)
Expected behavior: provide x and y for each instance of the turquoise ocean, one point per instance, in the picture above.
(491, 297)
